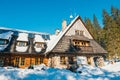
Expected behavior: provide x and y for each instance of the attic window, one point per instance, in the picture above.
(79, 32)
(76, 32)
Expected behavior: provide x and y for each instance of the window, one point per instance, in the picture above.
(17, 61)
(3, 42)
(1, 61)
(39, 45)
(76, 32)
(36, 61)
(21, 43)
(79, 32)
(62, 60)
(22, 61)
(41, 60)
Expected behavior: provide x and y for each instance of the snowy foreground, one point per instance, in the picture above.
(109, 72)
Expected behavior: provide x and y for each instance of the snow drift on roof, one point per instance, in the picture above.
(38, 38)
(6, 35)
(22, 37)
(23, 31)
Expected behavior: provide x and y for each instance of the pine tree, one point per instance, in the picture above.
(97, 29)
(90, 27)
(109, 35)
(95, 23)
(106, 31)
(111, 32)
(115, 13)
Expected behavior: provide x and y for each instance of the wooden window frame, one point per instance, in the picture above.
(1, 61)
(62, 60)
(79, 32)
(17, 61)
(39, 45)
(76, 32)
(41, 60)
(36, 60)
(22, 61)
(21, 43)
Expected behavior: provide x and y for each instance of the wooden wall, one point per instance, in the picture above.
(23, 61)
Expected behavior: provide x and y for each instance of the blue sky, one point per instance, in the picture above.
(47, 15)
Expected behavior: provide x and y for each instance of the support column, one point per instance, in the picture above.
(90, 61)
(55, 61)
(100, 61)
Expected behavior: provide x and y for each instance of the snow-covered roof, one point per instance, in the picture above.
(51, 41)
(24, 31)
(38, 38)
(6, 35)
(22, 37)
(54, 41)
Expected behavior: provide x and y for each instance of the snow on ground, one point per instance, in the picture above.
(88, 73)
(112, 67)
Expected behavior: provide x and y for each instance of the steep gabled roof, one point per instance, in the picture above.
(96, 47)
(80, 37)
(54, 41)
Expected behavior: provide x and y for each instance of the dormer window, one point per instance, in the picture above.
(39, 45)
(79, 32)
(21, 43)
(3, 42)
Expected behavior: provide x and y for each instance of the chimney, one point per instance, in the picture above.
(57, 31)
(64, 25)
